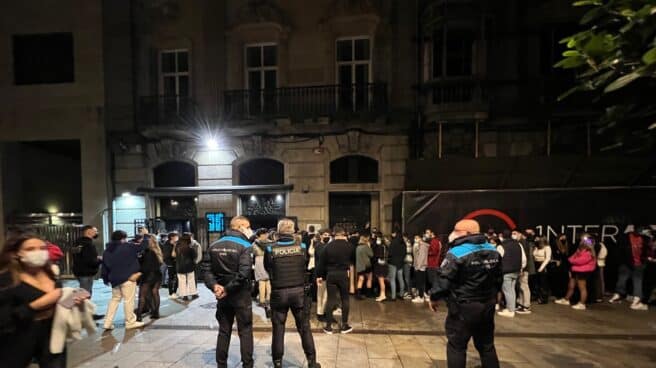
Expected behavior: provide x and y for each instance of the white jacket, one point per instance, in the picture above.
(69, 322)
(601, 257)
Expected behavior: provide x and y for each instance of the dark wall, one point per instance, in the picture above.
(528, 172)
(42, 175)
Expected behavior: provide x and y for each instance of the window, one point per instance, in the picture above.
(354, 169)
(452, 52)
(261, 77)
(175, 80)
(43, 58)
(353, 73)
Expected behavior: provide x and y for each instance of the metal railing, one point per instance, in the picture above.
(305, 102)
(456, 91)
(156, 111)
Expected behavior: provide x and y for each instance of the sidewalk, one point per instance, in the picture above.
(394, 334)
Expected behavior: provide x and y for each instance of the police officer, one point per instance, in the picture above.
(286, 261)
(470, 278)
(227, 273)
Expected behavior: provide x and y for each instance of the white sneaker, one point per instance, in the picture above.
(173, 296)
(640, 306)
(338, 311)
(134, 325)
(418, 299)
(636, 300)
(497, 307)
(506, 313)
(615, 298)
(381, 298)
(562, 301)
(579, 306)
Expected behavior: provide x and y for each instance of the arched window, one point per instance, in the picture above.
(261, 171)
(354, 169)
(174, 174)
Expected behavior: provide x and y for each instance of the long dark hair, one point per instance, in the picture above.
(183, 247)
(9, 261)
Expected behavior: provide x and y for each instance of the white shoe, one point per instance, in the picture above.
(134, 325)
(108, 328)
(173, 296)
(497, 307)
(615, 298)
(506, 313)
(636, 300)
(640, 306)
(562, 301)
(338, 311)
(579, 306)
(381, 298)
(418, 299)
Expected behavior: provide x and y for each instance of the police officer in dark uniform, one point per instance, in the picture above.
(470, 278)
(286, 261)
(227, 269)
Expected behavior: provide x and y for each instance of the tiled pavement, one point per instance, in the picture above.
(398, 334)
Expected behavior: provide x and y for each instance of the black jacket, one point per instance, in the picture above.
(470, 272)
(512, 256)
(229, 263)
(85, 257)
(185, 260)
(397, 252)
(150, 267)
(338, 255)
(167, 251)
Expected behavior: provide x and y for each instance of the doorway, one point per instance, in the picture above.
(352, 211)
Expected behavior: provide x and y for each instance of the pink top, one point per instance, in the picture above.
(582, 261)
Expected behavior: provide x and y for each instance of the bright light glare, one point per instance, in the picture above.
(126, 194)
(212, 143)
(279, 198)
(253, 198)
(652, 126)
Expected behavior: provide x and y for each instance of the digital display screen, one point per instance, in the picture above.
(215, 223)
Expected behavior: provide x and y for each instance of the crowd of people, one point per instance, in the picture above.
(335, 266)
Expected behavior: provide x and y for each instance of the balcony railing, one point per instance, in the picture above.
(306, 102)
(157, 111)
(456, 91)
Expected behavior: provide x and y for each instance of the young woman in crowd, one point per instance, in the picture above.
(261, 275)
(151, 279)
(363, 255)
(599, 281)
(28, 296)
(542, 258)
(185, 257)
(583, 263)
(559, 275)
(420, 255)
(381, 254)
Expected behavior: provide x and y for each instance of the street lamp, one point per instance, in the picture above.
(212, 144)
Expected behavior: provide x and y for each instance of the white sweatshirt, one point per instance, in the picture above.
(542, 255)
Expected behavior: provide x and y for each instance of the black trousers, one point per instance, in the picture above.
(420, 282)
(235, 306)
(173, 279)
(337, 283)
(470, 320)
(282, 300)
(31, 342)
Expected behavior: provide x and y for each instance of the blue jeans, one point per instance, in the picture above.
(395, 274)
(636, 274)
(407, 269)
(86, 283)
(508, 288)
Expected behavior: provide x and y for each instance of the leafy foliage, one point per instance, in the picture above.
(615, 56)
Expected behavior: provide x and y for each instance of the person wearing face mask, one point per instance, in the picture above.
(513, 261)
(227, 273)
(542, 257)
(420, 256)
(434, 252)
(28, 296)
(363, 255)
(322, 291)
(380, 266)
(407, 267)
(86, 261)
(559, 275)
(528, 244)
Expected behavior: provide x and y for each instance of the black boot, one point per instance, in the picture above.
(312, 362)
(360, 295)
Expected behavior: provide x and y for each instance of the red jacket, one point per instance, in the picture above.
(434, 253)
(582, 261)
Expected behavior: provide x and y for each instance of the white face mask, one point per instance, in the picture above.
(515, 237)
(452, 237)
(35, 258)
(379, 242)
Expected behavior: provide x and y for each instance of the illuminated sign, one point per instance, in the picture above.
(215, 223)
